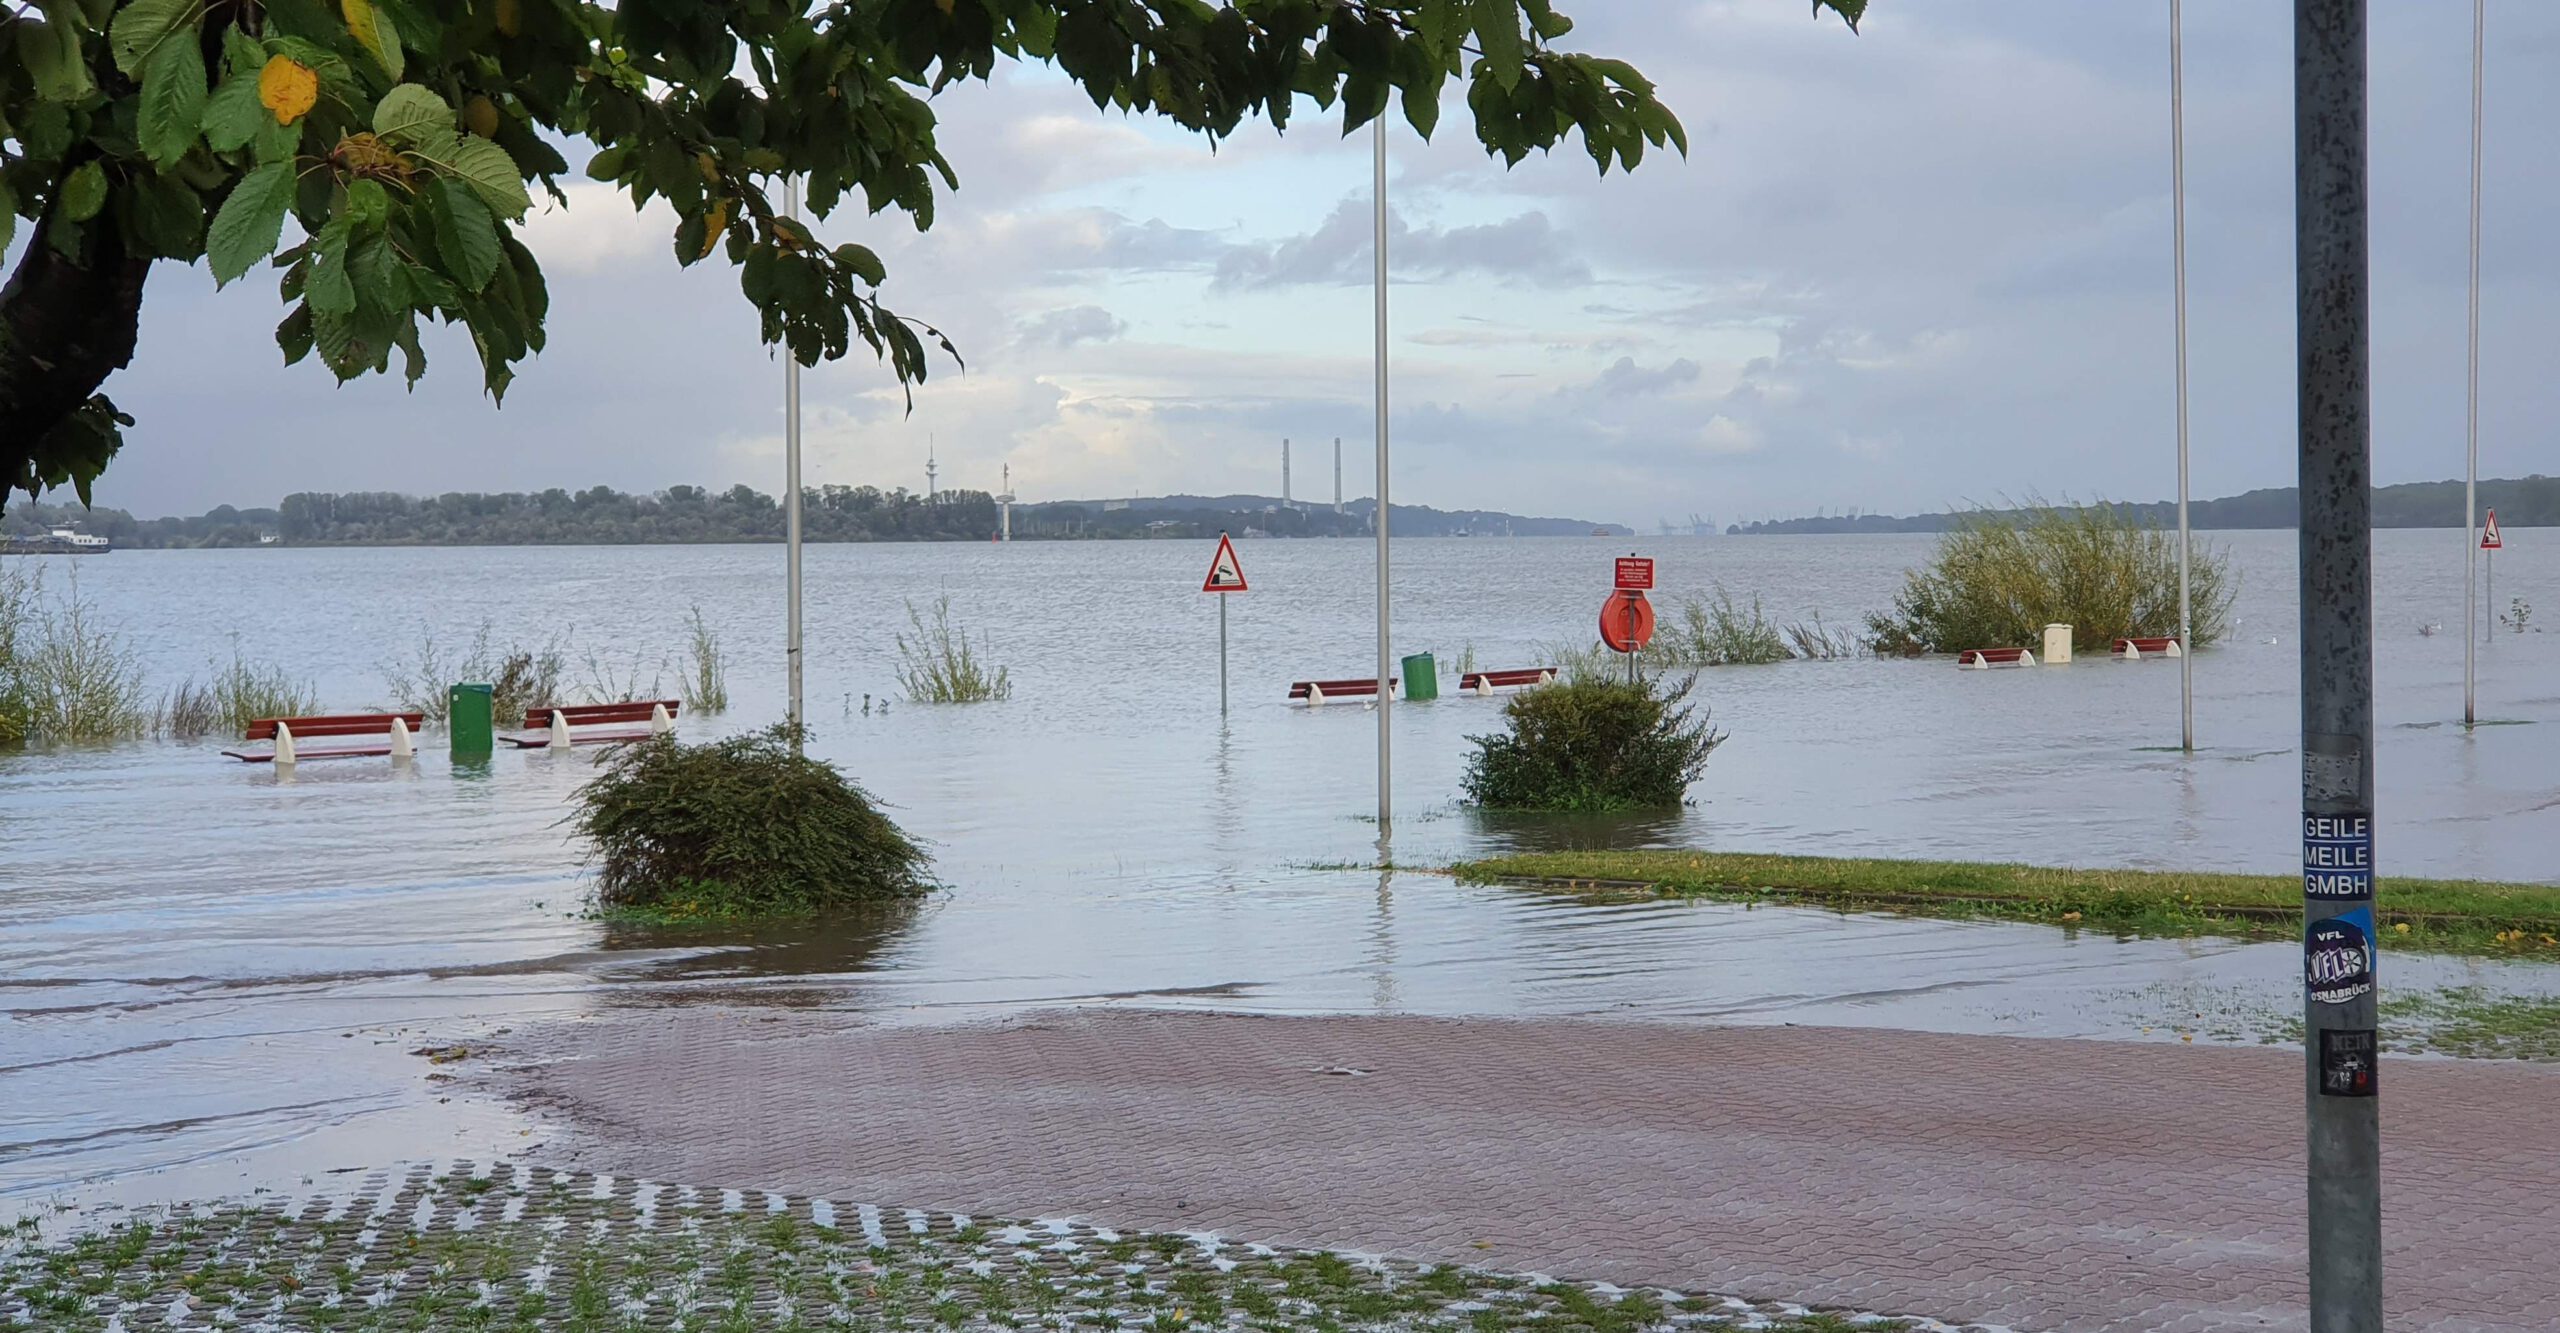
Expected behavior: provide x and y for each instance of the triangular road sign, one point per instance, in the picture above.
(1225, 575)
(2489, 538)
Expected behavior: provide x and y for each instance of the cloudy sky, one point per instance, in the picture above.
(1897, 271)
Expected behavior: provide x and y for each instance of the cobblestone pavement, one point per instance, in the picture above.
(2081, 1187)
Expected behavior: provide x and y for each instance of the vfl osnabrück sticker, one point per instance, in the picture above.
(2337, 956)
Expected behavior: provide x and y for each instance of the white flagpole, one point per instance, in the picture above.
(2471, 405)
(1386, 693)
(2178, 247)
(791, 495)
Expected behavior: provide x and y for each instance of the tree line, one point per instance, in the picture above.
(2524, 502)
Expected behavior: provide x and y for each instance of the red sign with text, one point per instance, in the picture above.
(1635, 573)
(2489, 538)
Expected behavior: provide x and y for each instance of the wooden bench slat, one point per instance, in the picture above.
(1520, 676)
(579, 715)
(1363, 685)
(342, 724)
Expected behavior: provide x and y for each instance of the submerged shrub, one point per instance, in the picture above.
(1593, 745)
(237, 695)
(74, 678)
(1720, 633)
(17, 616)
(520, 678)
(743, 827)
(2002, 575)
(940, 666)
(706, 678)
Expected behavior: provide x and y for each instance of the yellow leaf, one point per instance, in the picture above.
(714, 224)
(288, 88)
(370, 31)
(508, 20)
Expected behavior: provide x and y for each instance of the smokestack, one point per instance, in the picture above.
(1337, 474)
(1284, 472)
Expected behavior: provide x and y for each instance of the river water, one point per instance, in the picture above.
(213, 973)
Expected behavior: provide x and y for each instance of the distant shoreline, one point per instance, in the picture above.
(2526, 502)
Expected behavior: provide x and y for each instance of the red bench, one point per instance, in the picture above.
(1317, 691)
(1986, 658)
(2134, 650)
(361, 734)
(594, 724)
(1486, 682)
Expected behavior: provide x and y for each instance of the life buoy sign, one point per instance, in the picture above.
(1626, 621)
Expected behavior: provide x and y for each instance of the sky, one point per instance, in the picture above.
(1920, 266)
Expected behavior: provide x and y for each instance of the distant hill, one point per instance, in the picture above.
(602, 516)
(2528, 502)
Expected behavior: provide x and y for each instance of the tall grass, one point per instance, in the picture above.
(1720, 632)
(235, 696)
(1824, 643)
(520, 677)
(2002, 575)
(941, 666)
(705, 683)
(1583, 663)
(603, 682)
(76, 678)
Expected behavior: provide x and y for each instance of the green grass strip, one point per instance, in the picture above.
(2428, 915)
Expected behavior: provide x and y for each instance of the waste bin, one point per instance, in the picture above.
(1421, 677)
(468, 718)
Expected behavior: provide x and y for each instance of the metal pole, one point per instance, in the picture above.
(791, 497)
(1222, 654)
(2178, 248)
(1386, 693)
(2332, 294)
(2471, 404)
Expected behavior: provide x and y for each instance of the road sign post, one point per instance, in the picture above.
(2333, 297)
(2491, 542)
(1225, 576)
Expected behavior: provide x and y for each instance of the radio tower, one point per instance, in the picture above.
(1284, 472)
(1006, 500)
(930, 468)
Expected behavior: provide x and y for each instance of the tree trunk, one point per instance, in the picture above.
(65, 325)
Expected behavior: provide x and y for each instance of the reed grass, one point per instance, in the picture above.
(519, 677)
(235, 695)
(17, 619)
(602, 681)
(1817, 642)
(1719, 631)
(705, 683)
(2002, 575)
(940, 665)
(77, 679)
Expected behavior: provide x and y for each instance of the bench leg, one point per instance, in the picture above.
(401, 748)
(284, 746)
(559, 731)
(659, 723)
(1315, 696)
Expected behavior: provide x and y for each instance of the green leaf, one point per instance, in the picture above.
(466, 235)
(606, 165)
(491, 174)
(331, 288)
(83, 193)
(54, 60)
(411, 111)
(375, 266)
(8, 214)
(1497, 25)
(1422, 106)
(172, 113)
(247, 226)
(373, 30)
(166, 215)
(368, 204)
(863, 262)
(142, 27)
(293, 336)
(233, 117)
(242, 53)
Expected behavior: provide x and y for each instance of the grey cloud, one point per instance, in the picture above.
(1526, 248)
(1624, 378)
(1069, 325)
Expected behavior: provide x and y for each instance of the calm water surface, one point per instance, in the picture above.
(207, 969)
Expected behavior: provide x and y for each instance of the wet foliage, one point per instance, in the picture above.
(739, 828)
(2002, 575)
(1587, 745)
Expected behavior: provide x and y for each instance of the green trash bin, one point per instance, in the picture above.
(1421, 677)
(469, 720)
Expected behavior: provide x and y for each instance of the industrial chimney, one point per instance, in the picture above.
(1284, 472)
(1337, 474)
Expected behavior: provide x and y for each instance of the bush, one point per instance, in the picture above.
(706, 679)
(745, 827)
(17, 617)
(1593, 745)
(2001, 576)
(1720, 633)
(940, 666)
(520, 678)
(237, 695)
(75, 679)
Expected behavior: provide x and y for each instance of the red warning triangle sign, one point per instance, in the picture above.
(2489, 538)
(1225, 575)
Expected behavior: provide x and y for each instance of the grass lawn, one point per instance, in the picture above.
(2437, 916)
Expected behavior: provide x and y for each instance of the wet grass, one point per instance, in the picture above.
(2434, 916)
(512, 1251)
(2469, 1022)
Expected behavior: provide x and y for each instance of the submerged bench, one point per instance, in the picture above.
(1486, 682)
(2134, 650)
(341, 736)
(559, 728)
(1983, 659)
(1315, 692)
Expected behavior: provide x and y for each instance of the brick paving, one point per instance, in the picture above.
(2072, 1186)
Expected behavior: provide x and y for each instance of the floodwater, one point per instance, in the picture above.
(212, 974)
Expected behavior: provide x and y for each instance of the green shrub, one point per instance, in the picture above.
(1593, 745)
(744, 827)
(78, 680)
(520, 678)
(2002, 575)
(17, 616)
(1719, 633)
(706, 679)
(236, 696)
(940, 666)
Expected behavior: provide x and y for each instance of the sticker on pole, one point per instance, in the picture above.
(1635, 573)
(2489, 538)
(2346, 1062)
(2337, 856)
(2337, 956)
(1225, 575)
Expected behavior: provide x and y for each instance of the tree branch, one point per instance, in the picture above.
(66, 324)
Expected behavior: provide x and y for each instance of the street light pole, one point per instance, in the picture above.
(2178, 250)
(791, 499)
(2333, 297)
(1386, 691)
(2471, 407)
